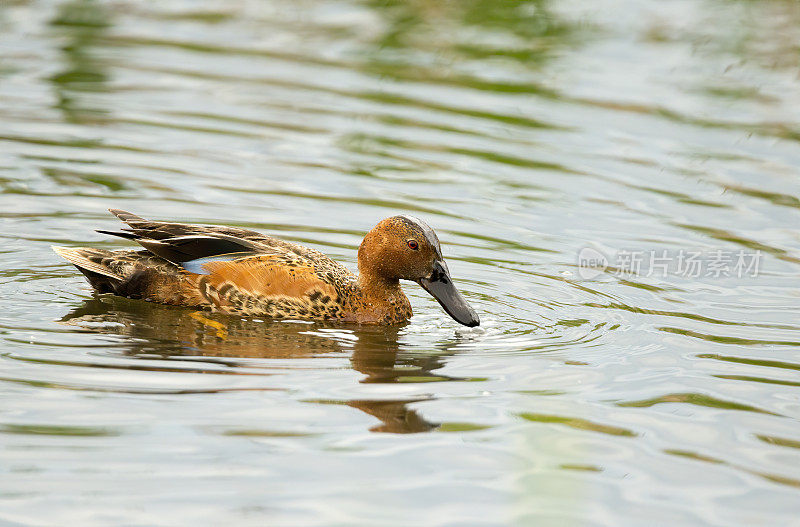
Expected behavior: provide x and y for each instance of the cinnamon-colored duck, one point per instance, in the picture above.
(243, 272)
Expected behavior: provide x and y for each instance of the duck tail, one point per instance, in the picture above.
(91, 262)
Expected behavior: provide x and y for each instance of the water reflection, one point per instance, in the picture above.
(527, 32)
(174, 332)
(83, 22)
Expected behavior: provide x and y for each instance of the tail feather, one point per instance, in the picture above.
(79, 257)
(100, 277)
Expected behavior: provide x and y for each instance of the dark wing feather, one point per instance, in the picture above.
(180, 243)
(185, 248)
(159, 230)
(128, 235)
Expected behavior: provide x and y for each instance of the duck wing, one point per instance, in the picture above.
(179, 243)
(159, 230)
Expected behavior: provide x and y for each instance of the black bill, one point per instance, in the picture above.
(440, 286)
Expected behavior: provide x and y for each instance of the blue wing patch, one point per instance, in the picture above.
(198, 266)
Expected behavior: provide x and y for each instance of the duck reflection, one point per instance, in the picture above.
(167, 331)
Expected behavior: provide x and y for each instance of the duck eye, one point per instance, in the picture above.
(412, 244)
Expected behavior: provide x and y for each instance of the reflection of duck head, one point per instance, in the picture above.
(170, 331)
(376, 356)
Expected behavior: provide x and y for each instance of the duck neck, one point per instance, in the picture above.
(382, 298)
(375, 287)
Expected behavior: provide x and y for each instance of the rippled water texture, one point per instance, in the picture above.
(522, 132)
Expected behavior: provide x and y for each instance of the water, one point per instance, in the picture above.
(523, 132)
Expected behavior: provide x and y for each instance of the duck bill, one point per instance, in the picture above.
(440, 286)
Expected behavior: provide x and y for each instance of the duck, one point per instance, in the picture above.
(243, 272)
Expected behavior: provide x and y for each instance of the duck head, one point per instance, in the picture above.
(406, 248)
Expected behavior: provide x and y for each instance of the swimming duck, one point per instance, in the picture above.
(243, 272)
